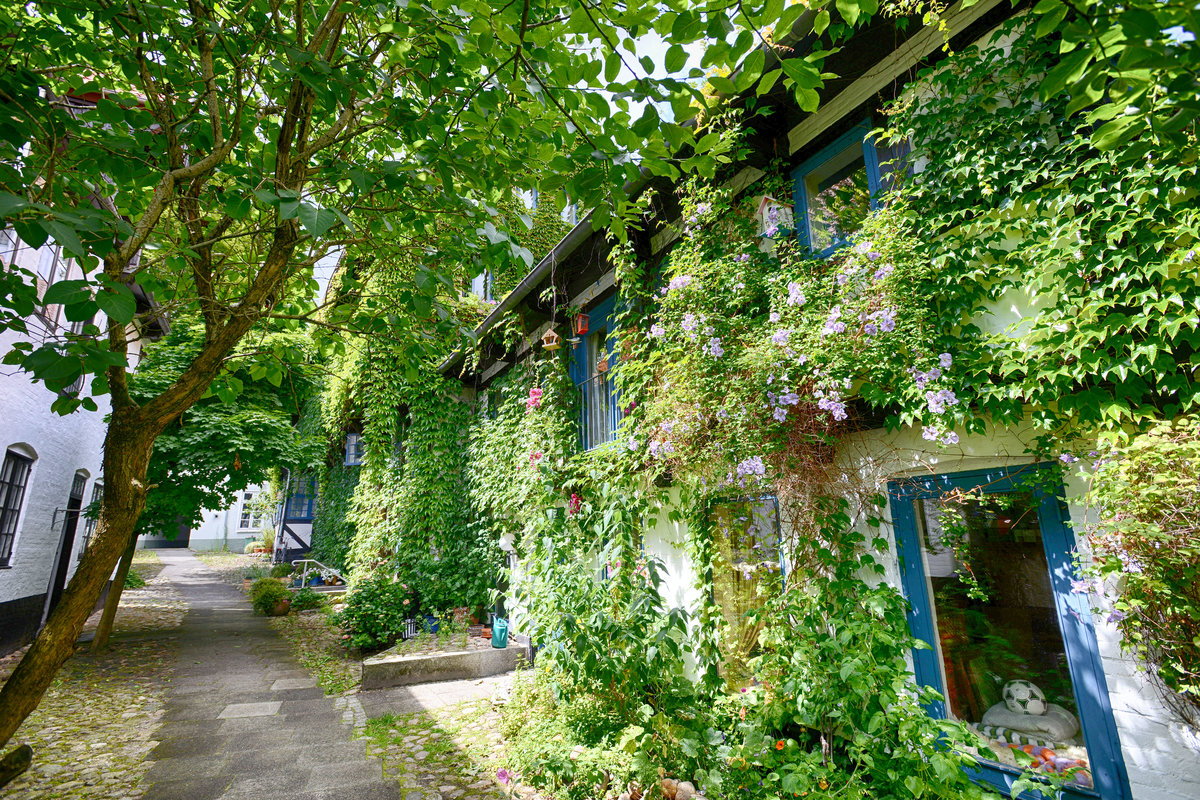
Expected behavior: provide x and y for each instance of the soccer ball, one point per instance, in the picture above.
(1022, 697)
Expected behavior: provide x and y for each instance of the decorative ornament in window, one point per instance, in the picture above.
(774, 217)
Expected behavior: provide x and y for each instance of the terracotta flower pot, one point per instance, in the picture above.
(487, 633)
(246, 582)
(281, 608)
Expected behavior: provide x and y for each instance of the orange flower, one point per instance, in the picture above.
(779, 745)
(824, 784)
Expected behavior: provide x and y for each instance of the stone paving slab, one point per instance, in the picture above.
(267, 709)
(243, 721)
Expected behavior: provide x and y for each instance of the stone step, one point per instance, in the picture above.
(390, 669)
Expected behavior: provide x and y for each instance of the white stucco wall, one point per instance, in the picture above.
(221, 529)
(62, 446)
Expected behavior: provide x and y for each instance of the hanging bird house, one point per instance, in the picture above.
(581, 324)
(551, 340)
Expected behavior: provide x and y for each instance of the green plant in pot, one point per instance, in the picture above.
(270, 597)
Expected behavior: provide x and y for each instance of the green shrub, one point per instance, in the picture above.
(266, 593)
(281, 570)
(249, 548)
(305, 599)
(375, 612)
(255, 572)
(589, 719)
(1148, 491)
(133, 580)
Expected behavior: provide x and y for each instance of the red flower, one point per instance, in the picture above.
(779, 745)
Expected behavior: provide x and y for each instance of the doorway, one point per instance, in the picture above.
(67, 546)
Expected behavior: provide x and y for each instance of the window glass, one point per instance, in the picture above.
(999, 646)
(746, 569)
(252, 512)
(13, 477)
(599, 422)
(838, 197)
(354, 449)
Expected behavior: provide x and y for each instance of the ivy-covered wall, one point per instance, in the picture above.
(1019, 296)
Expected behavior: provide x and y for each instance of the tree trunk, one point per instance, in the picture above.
(127, 446)
(15, 763)
(114, 598)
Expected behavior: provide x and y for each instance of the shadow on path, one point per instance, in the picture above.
(243, 721)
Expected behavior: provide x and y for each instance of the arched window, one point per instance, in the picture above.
(14, 475)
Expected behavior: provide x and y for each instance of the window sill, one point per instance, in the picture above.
(1001, 778)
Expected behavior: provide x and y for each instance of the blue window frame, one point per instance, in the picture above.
(835, 190)
(354, 450)
(1035, 512)
(303, 499)
(600, 408)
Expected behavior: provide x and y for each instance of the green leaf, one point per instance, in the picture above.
(821, 22)
(11, 204)
(118, 303)
(676, 58)
(66, 293)
(316, 221)
(849, 9)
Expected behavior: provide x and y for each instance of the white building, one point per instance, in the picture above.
(52, 464)
(229, 528)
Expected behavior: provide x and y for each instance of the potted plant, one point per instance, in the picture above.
(602, 365)
(270, 597)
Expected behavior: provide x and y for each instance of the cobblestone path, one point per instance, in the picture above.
(95, 725)
(243, 721)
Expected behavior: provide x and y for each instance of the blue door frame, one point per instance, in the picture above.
(1074, 616)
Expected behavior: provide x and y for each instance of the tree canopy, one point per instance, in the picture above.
(217, 448)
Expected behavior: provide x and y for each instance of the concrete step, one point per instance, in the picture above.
(391, 669)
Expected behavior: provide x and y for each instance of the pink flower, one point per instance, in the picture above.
(574, 504)
(504, 776)
(535, 456)
(535, 399)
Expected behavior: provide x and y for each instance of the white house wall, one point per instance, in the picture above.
(61, 446)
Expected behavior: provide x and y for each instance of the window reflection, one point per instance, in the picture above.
(999, 645)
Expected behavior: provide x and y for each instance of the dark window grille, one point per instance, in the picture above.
(13, 477)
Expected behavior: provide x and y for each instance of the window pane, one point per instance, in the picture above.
(999, 645)
(839, 199)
